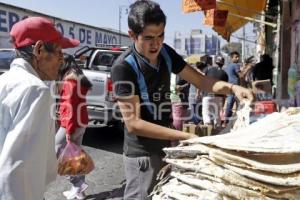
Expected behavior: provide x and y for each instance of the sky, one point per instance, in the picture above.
(105, 13)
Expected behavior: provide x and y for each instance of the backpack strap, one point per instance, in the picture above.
(141, 82)
(140, 77)
(167, 58)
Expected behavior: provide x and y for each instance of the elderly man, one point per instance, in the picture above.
(27, 155)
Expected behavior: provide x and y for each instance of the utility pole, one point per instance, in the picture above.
(243, 44)
(120, 22)
(120, 13)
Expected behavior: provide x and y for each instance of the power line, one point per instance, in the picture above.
(244, 39)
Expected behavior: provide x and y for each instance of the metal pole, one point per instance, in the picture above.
(243, 45)
(246, 10)
(120, 16)
(254, 20)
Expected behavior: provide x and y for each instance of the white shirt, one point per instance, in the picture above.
(27, 155)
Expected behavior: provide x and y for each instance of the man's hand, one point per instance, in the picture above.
(190, 136)
(163, 172)
(178, 88)
(243, 94)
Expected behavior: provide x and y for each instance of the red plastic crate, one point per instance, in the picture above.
(264, 107)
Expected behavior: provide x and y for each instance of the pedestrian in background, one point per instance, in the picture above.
(264, 69)
(27, 129)
(195, 97)
(233, 71)
(73, 117)
(247, 72)
(180, 108)
(212, 104)
(141, 77)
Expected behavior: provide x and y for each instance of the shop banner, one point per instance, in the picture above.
(207, 4)
(224, 31)
(189, 6)
(215, 17)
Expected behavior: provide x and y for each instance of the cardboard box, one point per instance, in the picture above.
(262, 90)
(206, 130)
(200, 130)
(262, 86)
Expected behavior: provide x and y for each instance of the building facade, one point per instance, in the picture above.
(86, 34)
(197, 43)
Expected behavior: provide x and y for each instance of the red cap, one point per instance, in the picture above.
(32, 29)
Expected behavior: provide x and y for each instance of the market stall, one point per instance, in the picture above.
(260, 161)
(240, 12)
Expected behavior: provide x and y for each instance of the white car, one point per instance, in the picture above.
(96, 66)
(6, 57)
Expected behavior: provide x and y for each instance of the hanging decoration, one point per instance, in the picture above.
(207, 4)
(215, 17)
(189, 6)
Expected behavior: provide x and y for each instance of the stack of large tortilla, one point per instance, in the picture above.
(261, 161)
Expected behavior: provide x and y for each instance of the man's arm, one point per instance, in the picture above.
(244, 70)
(181, 87)
(209, 84)
(130, 109)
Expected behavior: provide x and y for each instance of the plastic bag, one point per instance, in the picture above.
(74, 161)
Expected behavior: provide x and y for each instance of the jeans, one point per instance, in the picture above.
(196, 112)
(231, 99)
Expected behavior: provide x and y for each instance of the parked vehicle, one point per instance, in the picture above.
(6, 57)
(96, 63)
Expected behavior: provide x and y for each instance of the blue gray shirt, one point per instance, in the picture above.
(232, 71)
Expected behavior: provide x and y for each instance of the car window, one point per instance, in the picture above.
(6, 57)
(106, 58)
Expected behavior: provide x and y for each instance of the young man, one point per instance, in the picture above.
(233, 71)
(212, 103)
(142, 86)
(27, 154)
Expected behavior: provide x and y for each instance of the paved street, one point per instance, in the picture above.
(107, 180)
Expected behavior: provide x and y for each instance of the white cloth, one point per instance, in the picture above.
(174, 96)
(211, 107)
(27, 155)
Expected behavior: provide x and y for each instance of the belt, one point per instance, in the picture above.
(215, 95)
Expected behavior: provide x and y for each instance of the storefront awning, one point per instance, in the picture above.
(240, 13)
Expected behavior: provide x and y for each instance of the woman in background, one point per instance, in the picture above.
(73, 117)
